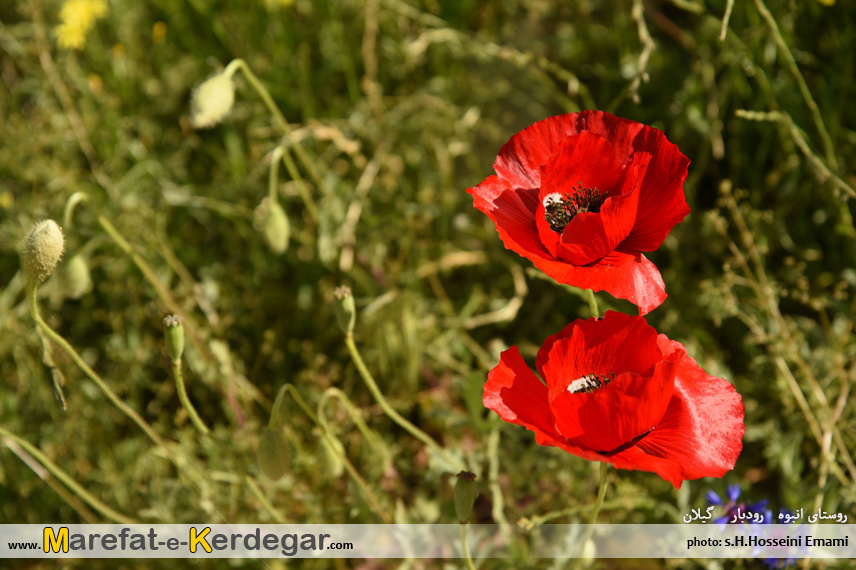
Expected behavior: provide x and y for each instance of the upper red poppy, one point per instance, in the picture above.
(581, 195)
(617, 392)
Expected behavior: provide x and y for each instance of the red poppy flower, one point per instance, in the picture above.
(582, 195)
(617, 392)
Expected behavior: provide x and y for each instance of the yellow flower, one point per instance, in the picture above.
(77, 18)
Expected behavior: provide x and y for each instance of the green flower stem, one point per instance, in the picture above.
(185, 401)
(278, 117)
(68, 481)
(301, 187)
(55, 337)
(592, 303)
(597, 505)
(788, 56)
(273, 179)
(264, 501)
(281, 153)
(371, 437)
(70, 205)
(388, 409)
(372, 499)
(466, 547)
(144, 267)
(498, 510)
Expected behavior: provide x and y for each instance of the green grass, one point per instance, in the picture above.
(399, 107)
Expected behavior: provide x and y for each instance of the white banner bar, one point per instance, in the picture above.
(426, 541)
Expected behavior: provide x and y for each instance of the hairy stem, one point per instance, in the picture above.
(389, 410)
(185, 401)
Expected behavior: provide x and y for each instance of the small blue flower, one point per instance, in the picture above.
(732, 506)
(733, 492)
(778, 563)
(713, 498)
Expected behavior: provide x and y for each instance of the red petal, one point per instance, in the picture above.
(615, 415)
(513, 213)
(703, 427)
(590, 236)
(549, 238)
(586, 159)
(625, 275)
(701, 433)
(520, 159)
(661, 198)
(515, 393)
(616, 343)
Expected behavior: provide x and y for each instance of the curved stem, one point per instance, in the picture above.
(466, 547)
(372, 499)
(597, 505)
(55, 337)
(185, 401)
(273, 180)
(390, 411)
(354, 413)
(68, 481)
(278, 117)
(592, 303)
(264, 501)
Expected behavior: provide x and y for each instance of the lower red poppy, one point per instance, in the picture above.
(616, 391)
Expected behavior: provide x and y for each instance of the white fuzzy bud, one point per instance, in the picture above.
(212, 101)
(42, 250)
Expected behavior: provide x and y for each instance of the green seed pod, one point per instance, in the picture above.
(42, 250)
(276, 229)
(465, 495)
(330, 456)
(76, 281)
(273, 454)
(174, 336)
(346, 311)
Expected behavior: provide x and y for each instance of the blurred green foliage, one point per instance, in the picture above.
(400, 106)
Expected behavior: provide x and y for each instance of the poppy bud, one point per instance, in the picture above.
(174, 335)
(76, 281)
(465, 495)
(212, 101)
(346, 311)
(273, 454)
(330, 456)
(42, 250)
(274, 225)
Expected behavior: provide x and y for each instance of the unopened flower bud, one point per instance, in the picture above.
(212, 101)
(346, 311)
(274, 225)
(465, 495)
(76, 281)
(273, 454)
(330, 456)
(589, 553)
(174, 335)
(42, 250)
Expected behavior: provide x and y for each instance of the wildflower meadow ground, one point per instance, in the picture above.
(515, 262)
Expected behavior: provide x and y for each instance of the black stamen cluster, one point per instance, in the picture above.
(560, 212)
(593, 382)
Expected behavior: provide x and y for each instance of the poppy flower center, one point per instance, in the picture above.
(560, 209)
(590, 383)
